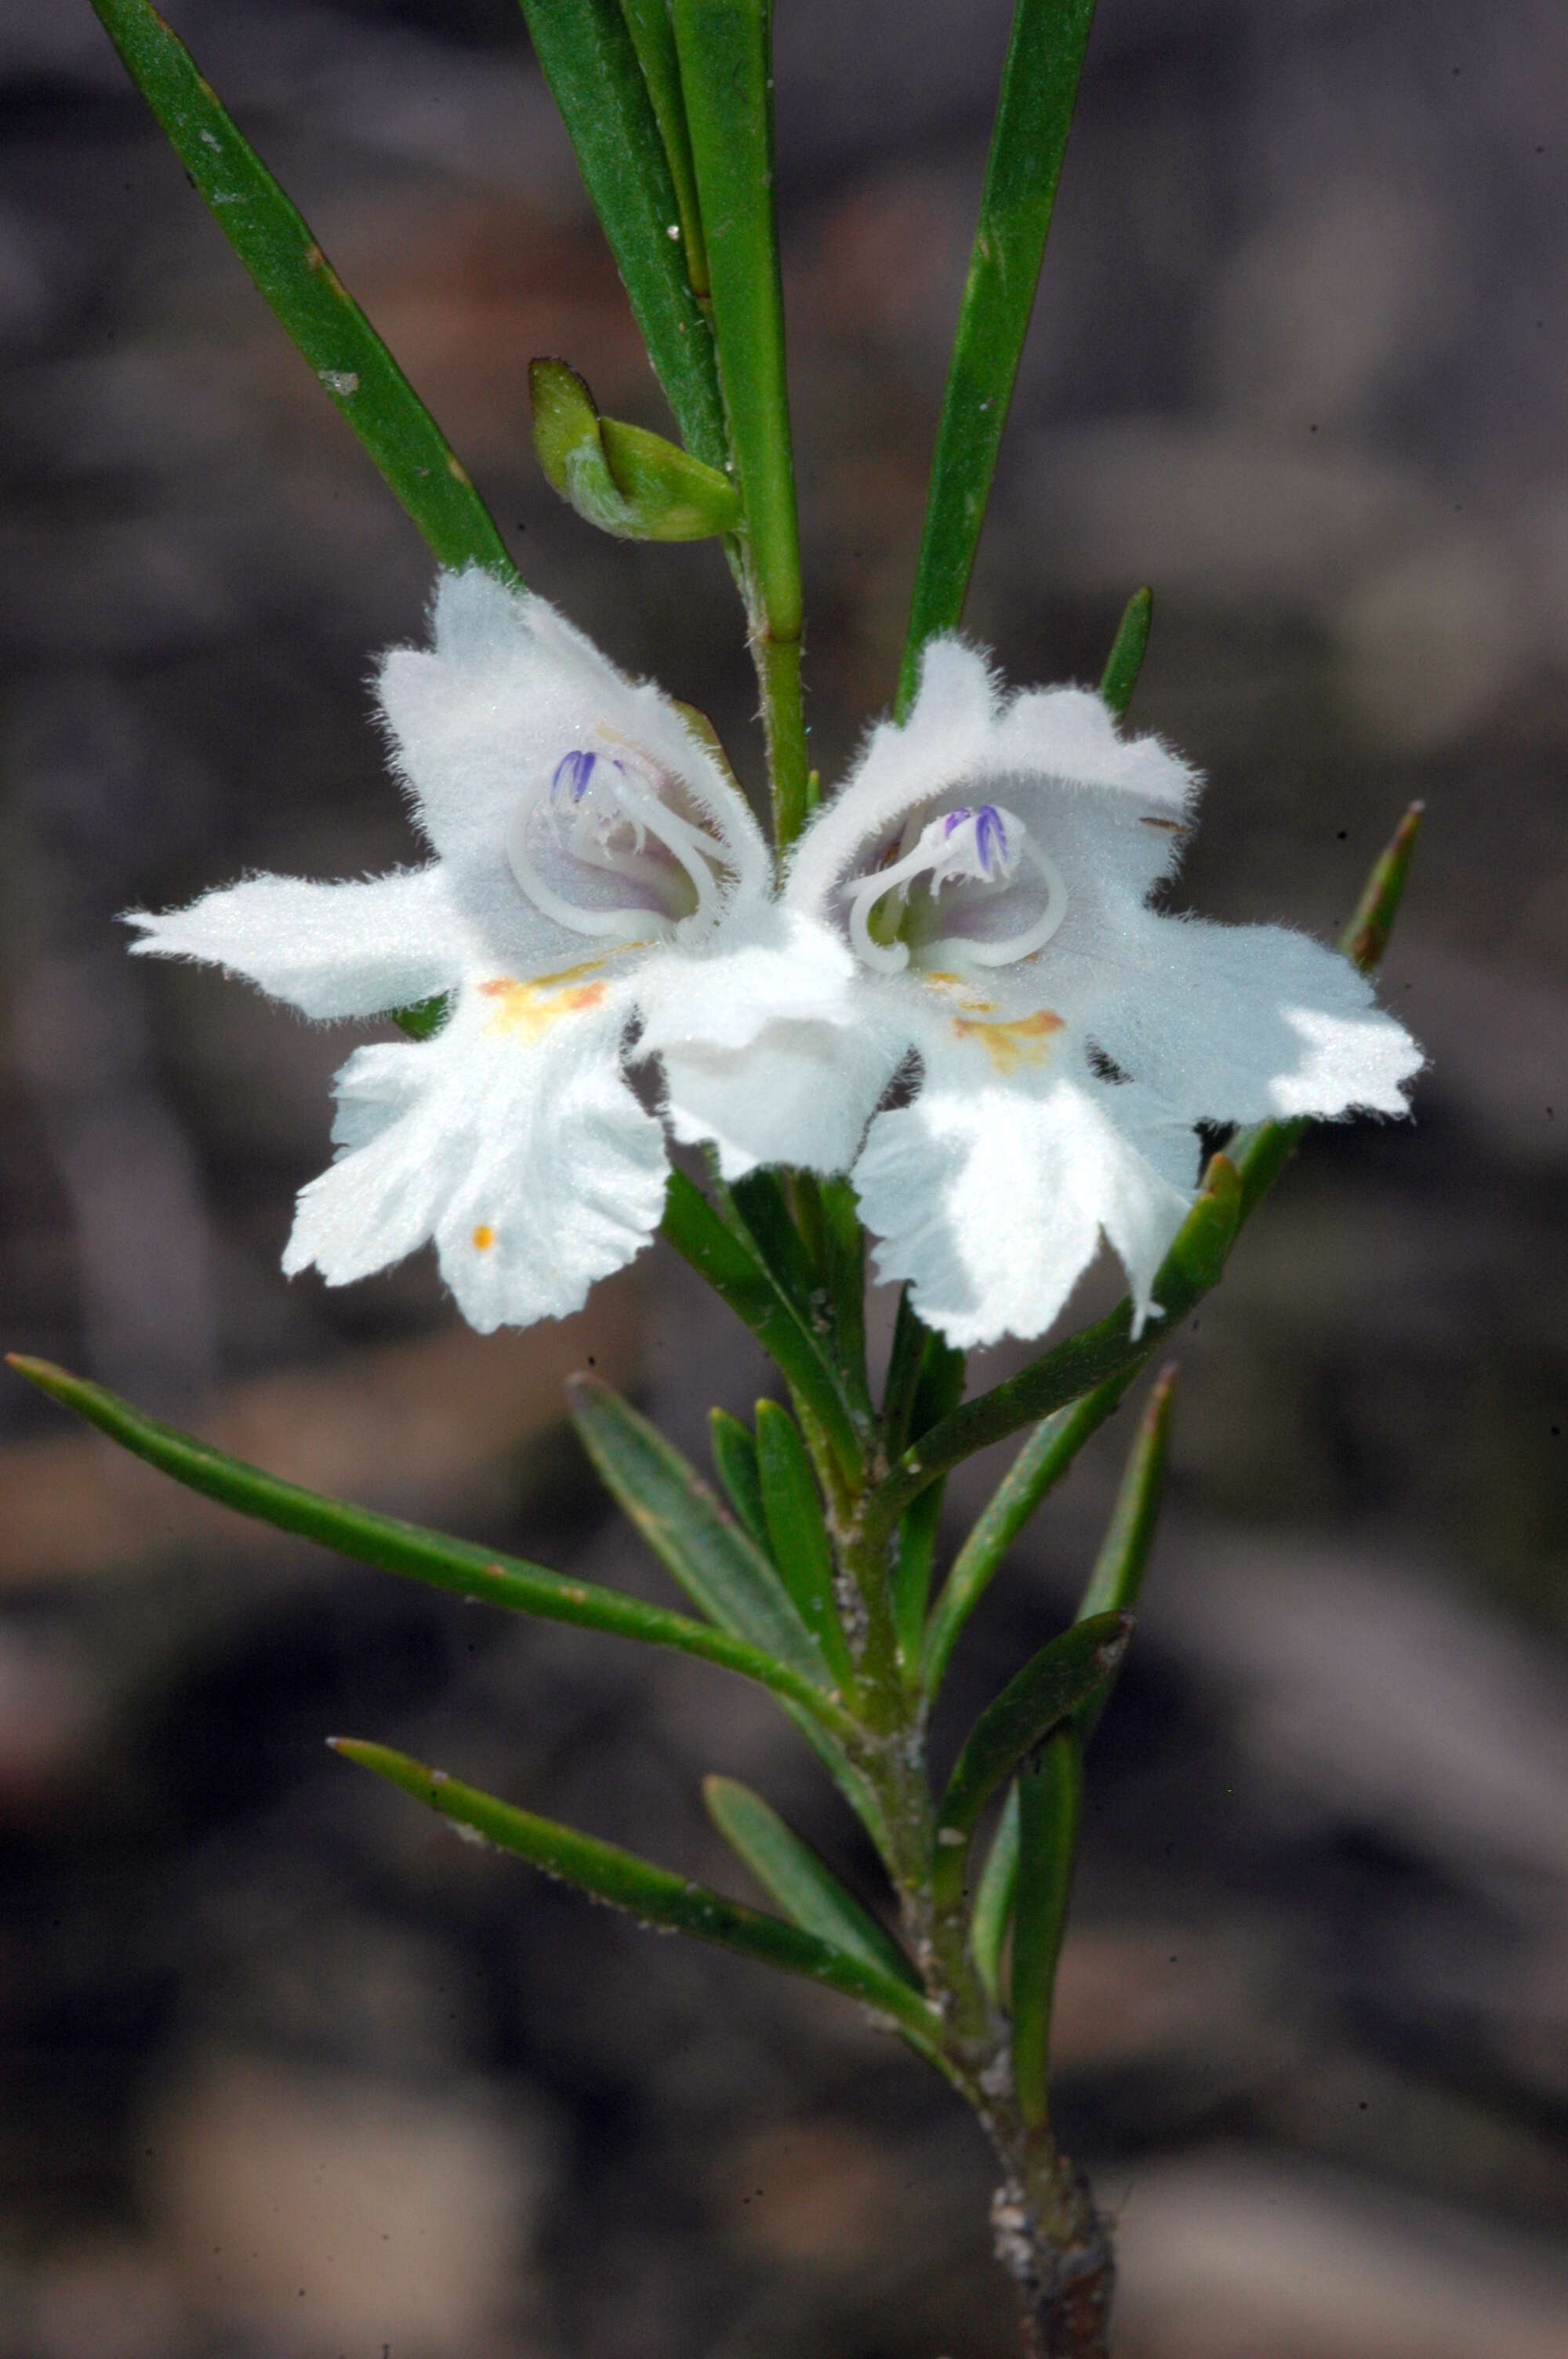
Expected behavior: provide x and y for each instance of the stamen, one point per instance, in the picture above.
(603, 809)
(983, 845)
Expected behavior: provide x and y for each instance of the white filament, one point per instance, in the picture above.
(621, 792)
(946, 862)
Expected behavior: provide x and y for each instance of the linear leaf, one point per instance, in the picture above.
(511, 1582)
(587, 58)
(797, 1532)
(734, 1449)
(1039, 87)
(1049, 1688)
(1050, 1797)
(759, 1204)
(843, 1254)
(721, 1571)
(804, 1885)
(1039, 1466)
(1117, 1581)
(278, 248)
(652, 1894)
(994, 1899)
(654, 38)
(1127, 649)
(918, 1532)
(851, 1781)
(737, 1272)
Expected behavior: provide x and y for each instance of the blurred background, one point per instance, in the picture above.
(288, 2073)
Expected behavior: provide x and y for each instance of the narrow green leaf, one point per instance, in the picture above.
(1048, 1691)
(440, 1562)
(725, 48)
(621, 478)
(1093, 1357)
(760, 1205)
(653, 39)
(905, 1361)
(722, 1571)
(1127, 649)
(587, 58)
(994, 1899)
(737, 1272)
(1039, 88)
(1262, 1153)
(734, 1452)
(351, 363)
(1038, 1468)
(652, 1894)
(1051, 1800)
(804, 1885)
(843, 1253)
(851, 1782)
(1117, 1582)
(797, 1531)
(918, 1533)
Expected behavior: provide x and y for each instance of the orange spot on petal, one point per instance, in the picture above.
(1026, 1041)
(483, 1238)
(530, 1008)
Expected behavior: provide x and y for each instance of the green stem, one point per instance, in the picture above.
(777, 660)
(725, 49)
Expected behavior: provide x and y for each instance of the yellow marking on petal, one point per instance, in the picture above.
(958, 988)
(531, 1008)
(483, 1237)
(1024, 1041)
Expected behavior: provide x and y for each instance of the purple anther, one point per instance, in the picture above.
(956, 819)
(990, 838)
(572, 774)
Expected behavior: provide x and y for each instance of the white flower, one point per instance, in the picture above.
(595, 868)
(989, 865)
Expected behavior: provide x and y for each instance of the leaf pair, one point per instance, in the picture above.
(759, 1634)
(861, 1963)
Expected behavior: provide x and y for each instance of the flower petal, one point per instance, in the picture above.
(767, 967)
(990, 1195)
(1248, 1023)
(1112, 811)
(800, 1093)
(330, 950)
(512, 1137)
(506, 688)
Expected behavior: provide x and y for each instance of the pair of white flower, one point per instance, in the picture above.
(969, 915)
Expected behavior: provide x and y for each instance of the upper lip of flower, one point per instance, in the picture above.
(607, 815)
(986, 848)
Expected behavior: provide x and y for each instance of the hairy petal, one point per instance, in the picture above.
(329, 950)
(990, 1195)
(1247, 1022)
(506, 688)
(801, 1093)
(767, 966)
(511, 1138)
